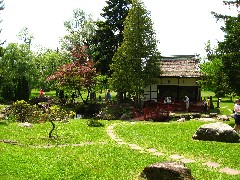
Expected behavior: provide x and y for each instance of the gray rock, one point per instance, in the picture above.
(26, 124)
(223, 118)
(2, 116)
(205, 119)
(213, 115)
(125, 117)
(196, 115)
(216, 132)
(166, 171)
(181, 120)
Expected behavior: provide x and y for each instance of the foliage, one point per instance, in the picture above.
(109, 34)
(23, 89)
(80, 30)
(25, 36)
(113, 111)
(214, 78)
(94, 123)
(24, 112)
(47, 61)
(79, 74)
(229, 48)
(21, 111)
(17, 71)
(136, 62)
(87, 110)
(76, 76)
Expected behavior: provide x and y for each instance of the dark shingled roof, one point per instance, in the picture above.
(180, 66)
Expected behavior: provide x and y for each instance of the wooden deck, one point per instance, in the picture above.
(158, 111)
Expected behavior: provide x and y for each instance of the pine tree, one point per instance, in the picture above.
(136, 62)
(109, 35)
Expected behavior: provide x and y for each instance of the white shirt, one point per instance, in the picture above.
(238, 107)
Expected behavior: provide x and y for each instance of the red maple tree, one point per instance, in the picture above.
(78, 75)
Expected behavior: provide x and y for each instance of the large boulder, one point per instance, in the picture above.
(216, 132)
(166, 171)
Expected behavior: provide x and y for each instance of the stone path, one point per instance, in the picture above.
(175, 157)
(52, 146)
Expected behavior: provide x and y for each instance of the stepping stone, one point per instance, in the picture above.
(102, 143)
(187, 161)
(230, 171)
(76, 145)
(207, 119)
(122, 143)
(152, 150)
(110, 131)
(158, 154)
(7, 141)
(48, 146)
(88, 143)
(113, 136)
(176, 156)
(118, 140)
(62, 145)
(136, 147)
(212, 164)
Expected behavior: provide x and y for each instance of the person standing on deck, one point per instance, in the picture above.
(187, 102)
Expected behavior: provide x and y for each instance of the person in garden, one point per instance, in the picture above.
(237, 115)
(41, 93)
(187, 102)
(108, 96)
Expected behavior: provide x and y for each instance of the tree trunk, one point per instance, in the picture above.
(53, 127)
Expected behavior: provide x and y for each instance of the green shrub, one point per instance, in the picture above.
(21, 111)
(94, 123)
(24, 112)
(114, 111)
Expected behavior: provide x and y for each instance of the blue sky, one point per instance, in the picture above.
(182, 26)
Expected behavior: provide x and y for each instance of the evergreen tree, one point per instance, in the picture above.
(136, 62)
(109, 34)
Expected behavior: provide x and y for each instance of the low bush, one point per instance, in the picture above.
(94, 123)
(21, 111)
(114, 110)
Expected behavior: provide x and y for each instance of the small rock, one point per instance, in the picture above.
(223, 118)
(181, 120)
(26, 124)
(213, 115)
(207, 119)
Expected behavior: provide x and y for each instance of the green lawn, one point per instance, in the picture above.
(35, 93)
(82, 152)
(89, 153)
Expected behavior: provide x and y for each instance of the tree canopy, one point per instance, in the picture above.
(228, 49)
